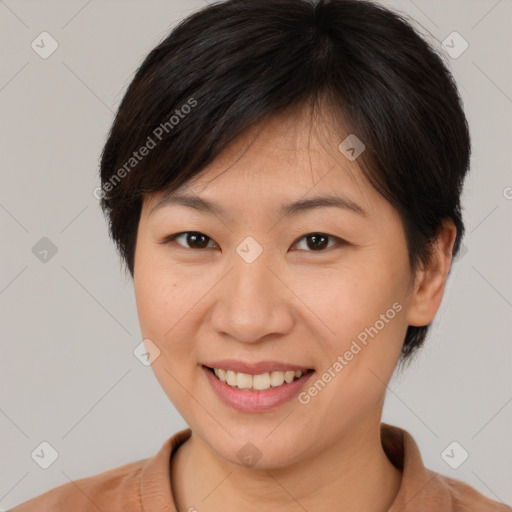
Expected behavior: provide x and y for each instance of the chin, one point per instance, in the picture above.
(259, 447)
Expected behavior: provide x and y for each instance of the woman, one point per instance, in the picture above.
(283, 183)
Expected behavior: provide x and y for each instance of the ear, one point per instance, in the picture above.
(430, 280)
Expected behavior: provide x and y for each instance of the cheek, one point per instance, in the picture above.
(350, 297)
(158, 292)
(361, 312)
(166, 301)
(161, 308)
(152, 298)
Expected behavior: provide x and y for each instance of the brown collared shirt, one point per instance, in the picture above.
(144, 486)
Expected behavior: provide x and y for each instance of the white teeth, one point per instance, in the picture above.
(259, 382)
(289, 376)
(276, 379)
(231, 378)
(243, 380)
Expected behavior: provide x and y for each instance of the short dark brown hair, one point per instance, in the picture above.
(234, 63)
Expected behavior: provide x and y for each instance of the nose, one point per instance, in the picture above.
(252, 302)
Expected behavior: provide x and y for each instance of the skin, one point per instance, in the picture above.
(294, 303)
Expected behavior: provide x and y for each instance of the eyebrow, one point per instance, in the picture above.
(301, 205)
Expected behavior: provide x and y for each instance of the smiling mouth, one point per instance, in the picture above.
(260, 382)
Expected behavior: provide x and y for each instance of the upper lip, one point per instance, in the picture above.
(254, 368)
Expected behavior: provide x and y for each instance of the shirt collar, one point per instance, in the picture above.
(419, 485)
(420, 488)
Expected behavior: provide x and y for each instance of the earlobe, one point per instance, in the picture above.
(431, 280)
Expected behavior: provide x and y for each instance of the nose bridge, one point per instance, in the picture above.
(251, 275)
(252, 301)
(252, 280)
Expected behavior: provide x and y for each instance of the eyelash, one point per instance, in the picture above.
(339, 241)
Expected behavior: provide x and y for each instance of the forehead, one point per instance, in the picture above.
(295, 145)
(277, 160)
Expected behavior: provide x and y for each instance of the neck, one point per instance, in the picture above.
(354, 474)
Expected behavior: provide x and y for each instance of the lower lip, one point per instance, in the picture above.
(255, 401)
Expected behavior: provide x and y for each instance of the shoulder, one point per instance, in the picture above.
(113, 490)
(465, 498)
(424, 490)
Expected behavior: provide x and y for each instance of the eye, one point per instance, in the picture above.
(315, 242)
(192, 240)
(320, 241)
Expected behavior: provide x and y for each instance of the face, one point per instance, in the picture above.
(258, 288)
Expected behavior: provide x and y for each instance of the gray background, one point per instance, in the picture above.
(69, 325)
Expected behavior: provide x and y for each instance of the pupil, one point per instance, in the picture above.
(195, 238)
(319, 241)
